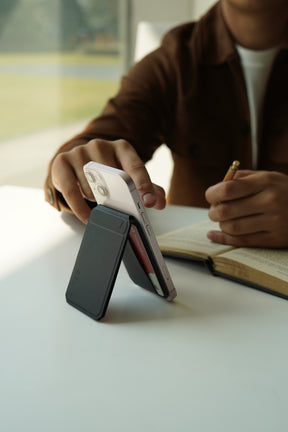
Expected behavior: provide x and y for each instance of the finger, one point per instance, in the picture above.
(160, 197)
(234, 189)
(246, 225)
(133, 165)
(98, 150)
(243, 173)
(251, 235)
(73, 161)
(270, 200)
(82, 182)
(120, 154)
(67, 183)
(244, 207)
(101, 151)
(135, 168)
(260, 239)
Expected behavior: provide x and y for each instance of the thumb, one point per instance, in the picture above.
(243, 173)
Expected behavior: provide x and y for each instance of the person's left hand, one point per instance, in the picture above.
(252, 210)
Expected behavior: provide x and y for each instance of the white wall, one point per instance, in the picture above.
(158, 11)
(165, 11)
(161, 10)
(201, 6)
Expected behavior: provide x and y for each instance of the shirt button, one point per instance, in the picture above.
(50, 195)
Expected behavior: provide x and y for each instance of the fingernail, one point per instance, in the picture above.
(148, 198)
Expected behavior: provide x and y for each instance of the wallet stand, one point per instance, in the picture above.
(105, 243)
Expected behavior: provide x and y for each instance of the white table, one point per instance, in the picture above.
(214, 360)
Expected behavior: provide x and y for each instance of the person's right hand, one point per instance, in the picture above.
(69, 179)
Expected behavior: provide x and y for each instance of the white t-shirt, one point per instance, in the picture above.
(256, 66)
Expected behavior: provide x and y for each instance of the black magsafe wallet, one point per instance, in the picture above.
(105, 243)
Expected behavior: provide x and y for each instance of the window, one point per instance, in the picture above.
(60, 60)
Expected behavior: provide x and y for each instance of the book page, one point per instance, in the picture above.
(192, 240)
(273, 262)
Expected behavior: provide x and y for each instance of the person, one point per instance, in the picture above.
(214, 91)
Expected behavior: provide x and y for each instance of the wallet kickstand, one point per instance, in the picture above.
(98, 261)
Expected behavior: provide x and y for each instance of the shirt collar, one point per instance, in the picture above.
(215, 41)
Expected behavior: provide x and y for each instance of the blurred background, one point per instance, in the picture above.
(60, 60)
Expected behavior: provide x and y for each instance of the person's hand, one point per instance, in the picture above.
(69, 179)
(252, 210)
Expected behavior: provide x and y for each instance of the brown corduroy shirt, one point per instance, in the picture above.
(190, 94)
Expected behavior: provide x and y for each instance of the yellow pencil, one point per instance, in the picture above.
(232, 171)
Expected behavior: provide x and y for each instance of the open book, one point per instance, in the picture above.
(265, 269)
